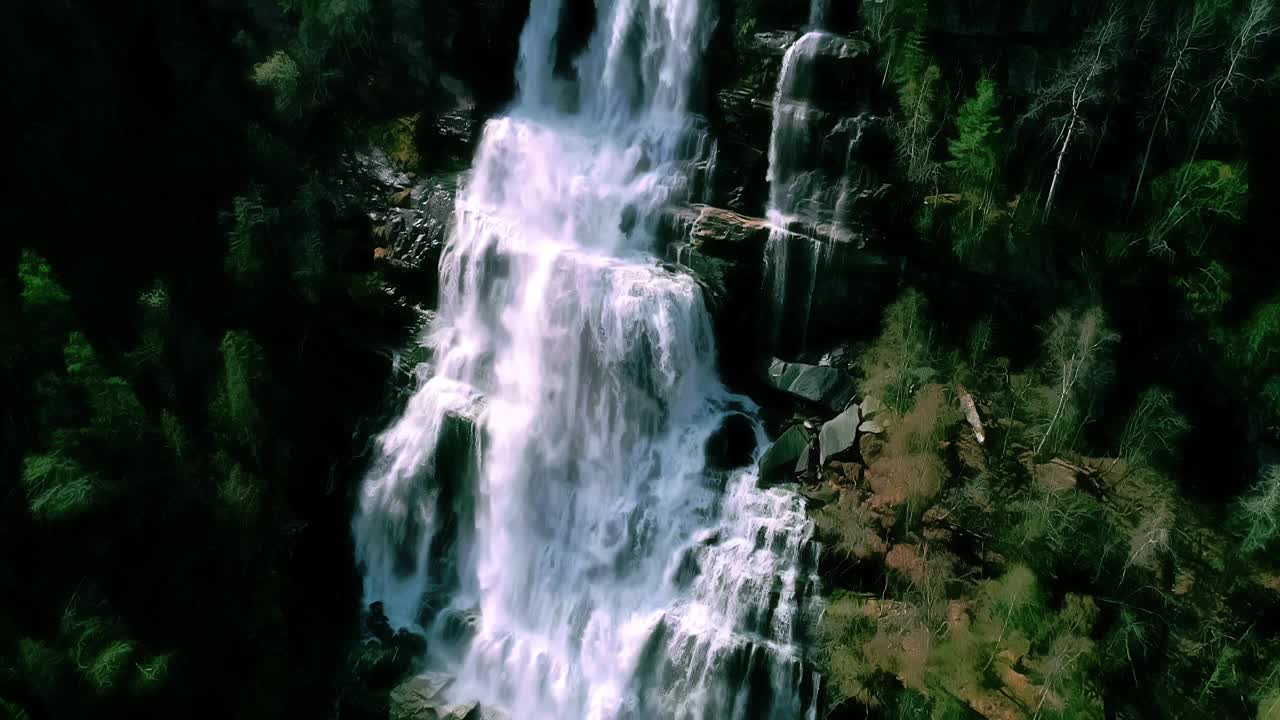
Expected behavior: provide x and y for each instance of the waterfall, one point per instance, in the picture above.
(813, 177)
(794, 194)
(818, 13)
(544, 509)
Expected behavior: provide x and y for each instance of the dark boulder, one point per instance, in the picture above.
(780, 461)
(733, 444)
(825, 386)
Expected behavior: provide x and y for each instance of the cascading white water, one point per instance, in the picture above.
(818, 13)
(599, 568)
(807, 210)
(793, 193)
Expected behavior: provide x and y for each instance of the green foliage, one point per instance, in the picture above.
(917, 125)
(899, 362)
(117, 416)
(41, 665)
(1262, 335)
(45, 306)
(1014, 599)
(1056, 524)
(151, 673)
(1207, 289)
(58, 488)
(252, 222)
(1259, 512)
(174, 436)
(1269, 698)
(1269, 400)
(240, 492)
(746, 21)
(279, 74)
(1154, 430)
(339, 22)
(1269, 706)
(1225, 674)
(975, 167)
(1077, 368)
(1191, 202)
(1127, 643)
(897, 28)
(235, 405)
(845, 627)
(108, 666)
(40, 291)
(137, 401)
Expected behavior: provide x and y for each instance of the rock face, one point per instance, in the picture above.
(725, 251)
(825, 386)
(1004, 34)
(721, 232)
(412, 226)
(424, 698)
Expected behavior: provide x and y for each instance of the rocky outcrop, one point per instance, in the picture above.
(719, 232)
(838, 69)
(721, 248)
(725, 252)
(410, 226)
(426, 697)
(381, 659)
(827, 387)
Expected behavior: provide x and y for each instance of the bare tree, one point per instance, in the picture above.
(1255, 25)
(1078, 348)
(919, 126)
(1154, 428)
(1192, 35)
(1079, 85)
(890, 24)
(1150, 539)
(1059, 669)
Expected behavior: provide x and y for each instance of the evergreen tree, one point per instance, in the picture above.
(975, 167)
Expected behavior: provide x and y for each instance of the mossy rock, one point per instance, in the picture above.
(398, 140)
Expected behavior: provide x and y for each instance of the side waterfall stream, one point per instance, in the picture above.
(544, 509)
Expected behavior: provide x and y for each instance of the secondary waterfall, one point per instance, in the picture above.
(544, 509)
(812, 181)
(793, 197)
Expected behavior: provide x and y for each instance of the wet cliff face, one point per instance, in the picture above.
(826, 126)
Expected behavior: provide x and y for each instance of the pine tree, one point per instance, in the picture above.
(976, 163)
(1259, 512)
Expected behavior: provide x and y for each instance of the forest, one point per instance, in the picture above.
(1071, 505)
